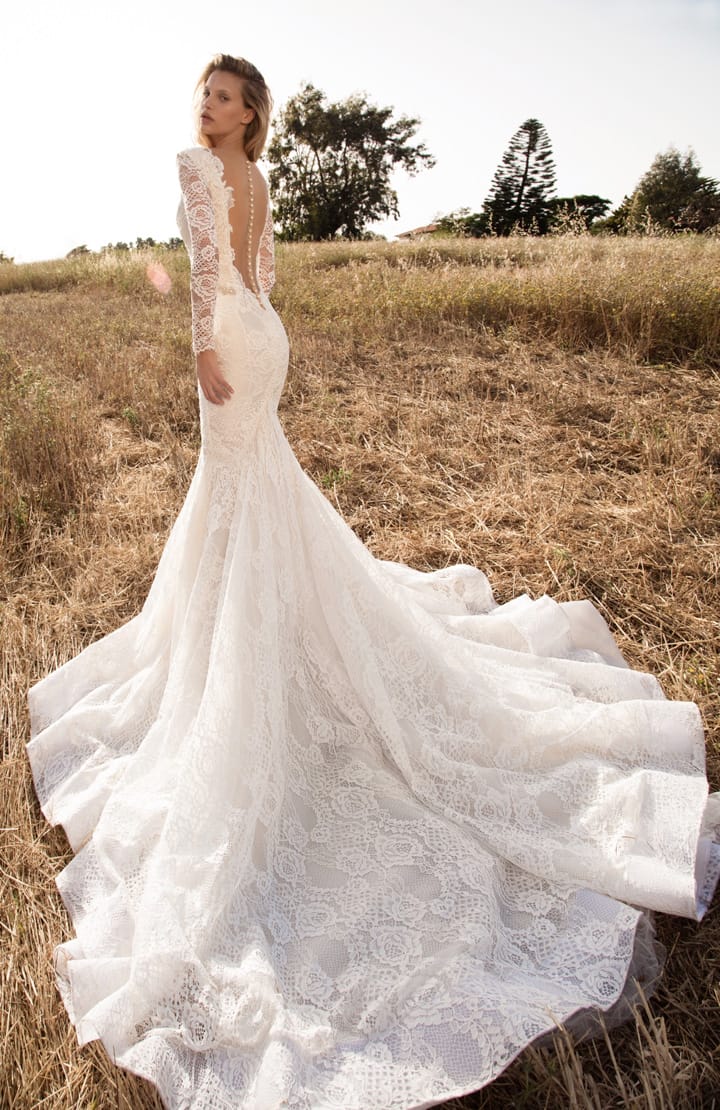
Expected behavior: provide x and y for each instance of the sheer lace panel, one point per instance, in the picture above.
(204, 264)
(266, 258)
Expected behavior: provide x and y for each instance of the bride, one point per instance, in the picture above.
(347, 835)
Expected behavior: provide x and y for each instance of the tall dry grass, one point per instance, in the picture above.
(546, 410)
(645, 298)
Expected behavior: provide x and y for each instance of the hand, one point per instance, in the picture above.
(214, 385)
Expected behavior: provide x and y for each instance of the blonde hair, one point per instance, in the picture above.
(255, 93)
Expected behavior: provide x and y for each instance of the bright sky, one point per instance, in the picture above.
(97, 96)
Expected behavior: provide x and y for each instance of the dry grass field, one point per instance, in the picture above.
(544, 409)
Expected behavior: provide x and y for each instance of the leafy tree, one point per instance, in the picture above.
(524, 182)
(675, 195)
(331, 164)
(464, 222)
(82, 249)
(5, 257)
(618, 221)
(580, 211)
(672, 195)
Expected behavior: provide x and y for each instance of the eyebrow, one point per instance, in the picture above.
(206, 88)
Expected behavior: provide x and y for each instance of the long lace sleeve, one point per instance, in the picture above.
(266, 254)
(204, 257)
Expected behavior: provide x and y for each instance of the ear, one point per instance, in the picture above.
(249, 115)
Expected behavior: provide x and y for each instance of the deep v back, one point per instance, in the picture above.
(246, 216)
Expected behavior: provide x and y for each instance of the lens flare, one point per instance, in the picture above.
(158, 276)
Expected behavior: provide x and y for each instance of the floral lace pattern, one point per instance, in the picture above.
(266, 254)
(206, 200)
(347, 835)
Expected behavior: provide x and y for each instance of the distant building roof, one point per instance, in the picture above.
(417, 232)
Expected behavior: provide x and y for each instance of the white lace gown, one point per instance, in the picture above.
(346, 835)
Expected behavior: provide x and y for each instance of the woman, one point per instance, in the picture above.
(347, 834)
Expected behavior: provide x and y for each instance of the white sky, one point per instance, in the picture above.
(97, 96)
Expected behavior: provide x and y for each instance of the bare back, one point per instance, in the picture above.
(247, 215)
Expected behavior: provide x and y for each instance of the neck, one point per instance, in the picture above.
(230, 148)
(229, 144)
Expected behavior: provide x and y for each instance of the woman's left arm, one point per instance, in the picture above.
(204, 271)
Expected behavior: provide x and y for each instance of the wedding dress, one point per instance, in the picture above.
(347, 835)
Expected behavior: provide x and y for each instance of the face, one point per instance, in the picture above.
(224, 115)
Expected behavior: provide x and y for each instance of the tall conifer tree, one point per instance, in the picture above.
(524, 183)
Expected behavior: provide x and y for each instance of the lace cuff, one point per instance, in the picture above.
(204, 258)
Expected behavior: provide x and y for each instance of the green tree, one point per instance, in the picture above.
(580, 211)
(672, 195)
(524, 183)
(618, 222)
(464, 222)
(331, 164)
(5, 257)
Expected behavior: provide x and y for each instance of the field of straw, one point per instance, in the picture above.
(544, 409)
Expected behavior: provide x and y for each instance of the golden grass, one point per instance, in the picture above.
(522, 434)
(644, 298)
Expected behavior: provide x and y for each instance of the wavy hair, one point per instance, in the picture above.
(256, 95)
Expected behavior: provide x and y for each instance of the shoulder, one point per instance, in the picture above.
(192, 155)
(195, 170)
